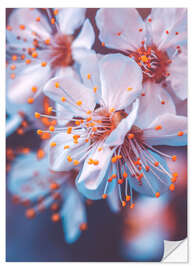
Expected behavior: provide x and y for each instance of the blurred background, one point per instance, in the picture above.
(130, 235)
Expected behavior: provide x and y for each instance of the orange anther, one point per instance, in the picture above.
(128, 198)
(40, 153)
(79, 102)
(157, 194)
(55, 217)
(39, 132)
(30, 213)
(54, 206)
(156, 163)
(34, 89)
(114, 176)
(124, 174)
(123, 203)
(43, 64)
(112, 109)
(57, 85)
(37, 115)
(38, 19)
(172, 187)
(180, 133)
(102, 44)
(162, 102)
(95, 89)
(131, 136)
(34, 54)
(114, 159)
(120, 181)
(14, 57)
(129, 88)
(158, 127)
(69, 130)
(104, 196)
(22, 27)
(175, 174)
(55, 12)
(47, 41)
(132, 205)
(52, 144)
(100, 149)
(95, 162)
(9, 28)
(83, 227)
(51, 128)
(52, 20)
(66, 147)
(76, 162)
(13, 67)
(54, 186)
(30, 100)
(27, 61)
(69, 158)
(63, 99)
(147, 168)
(88, 76)
(50, 109)
(174, 158)
(12, 76)
(167, 32)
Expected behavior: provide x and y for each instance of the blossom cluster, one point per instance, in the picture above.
(100, 117)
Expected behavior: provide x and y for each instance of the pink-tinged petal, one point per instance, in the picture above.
(167, 27)
(26, 21)
(71, 94)
(12, 123)
(167, 129)
(154, 180)
(73, 214)
(86, 37)
(155, 101)
(121, 81)
(120, 28)
(89, 70)
(20, 88)
(181, 107)
(178, 74)
(65, 151)
(117, 136)
(92, 179)
(70, 19)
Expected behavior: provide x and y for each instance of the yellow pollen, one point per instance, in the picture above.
(88, 76)
(37, 115)
(30, 100)
(69, 158)
(144, 59)
(52, 144)
(43, 64)
(129, 88)
(76, 162)
(51, 128)
(79, 102)
(66, 147)
(57, 85)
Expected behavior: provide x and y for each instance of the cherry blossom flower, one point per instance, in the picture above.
(157, 44)
(113, 142)
(35, 186)
(40, 45)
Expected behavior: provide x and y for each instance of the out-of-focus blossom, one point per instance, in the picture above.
(157, 44)
(114, 140)
(40, 44)
(144, 231)
(34, 185)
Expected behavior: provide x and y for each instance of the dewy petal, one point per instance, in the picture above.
(178, 74)
(117, 136)
(154, 103)
(12, 123)
(86, 37)
(121, 81)
(120, 28)
(173, 20)
(22, 173)
(26, 18)
(58, 154)
(78, 98)
(73, 214)
(151, 183)
(70, 19)
(90, 67)
(20, 88)
(92, 179)
(172, 131)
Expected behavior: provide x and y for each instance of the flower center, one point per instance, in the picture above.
(60, 51)
(153, 63)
